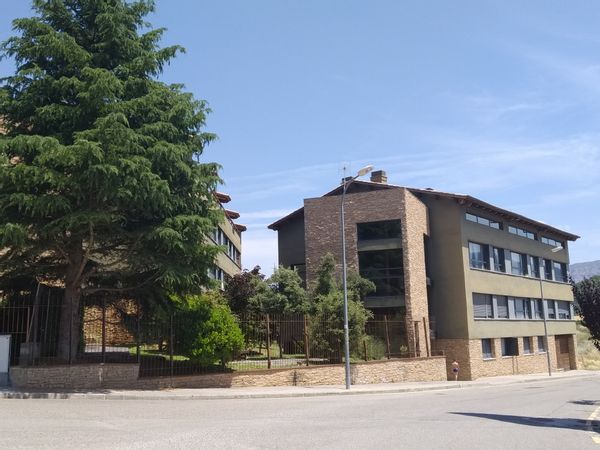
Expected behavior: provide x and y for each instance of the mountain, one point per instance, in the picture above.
(579, 271)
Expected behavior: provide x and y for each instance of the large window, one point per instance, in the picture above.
(510, 347)
(560, 271)
(535, 266)
(539, 309)
(521, 232)
(527, 346)
(547, 269)
(550, 305)
(502, 303)
(385, 229)
(487, 349)
(482, 306)
(498, 254)
(479, 256)
(522, 308)
(385, 269)
(564, 310)
(483, 221)
(541, 343)
(518, 263)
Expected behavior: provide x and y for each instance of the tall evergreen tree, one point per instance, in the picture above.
(101, 185)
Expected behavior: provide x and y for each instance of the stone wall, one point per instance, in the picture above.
(469, 355)
(125, 376)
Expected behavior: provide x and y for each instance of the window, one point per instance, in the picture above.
(541, 342)
(510, 347)
(522, 308)
(539, 309)
(482, 306)
(518, 263)
(560, 271)
(384, 268)
(550, 241)
(564, 310)
(502, 304)
(479, 256)
(498, 254)
(521, 232)
(527, 346)
(483, 221)
(217, 274)
(385, 229)
(547, 269)
(551, 310)
(535, 265)
(486, 349)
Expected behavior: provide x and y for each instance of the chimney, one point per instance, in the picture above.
(379, 176)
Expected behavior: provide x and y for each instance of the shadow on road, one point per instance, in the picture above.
(571, 424)
(586, 402)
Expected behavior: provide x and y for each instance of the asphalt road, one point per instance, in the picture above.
(543, 415)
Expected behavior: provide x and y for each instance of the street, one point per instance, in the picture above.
(539, 415)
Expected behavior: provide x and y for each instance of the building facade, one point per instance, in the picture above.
(229, 236)
(466, 276)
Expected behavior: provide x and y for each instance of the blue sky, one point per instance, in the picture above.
(496, 99)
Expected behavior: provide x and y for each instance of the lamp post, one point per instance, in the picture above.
(345, 184)
(545, 309)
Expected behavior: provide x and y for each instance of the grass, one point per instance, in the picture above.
(156, 353)
(588, 355)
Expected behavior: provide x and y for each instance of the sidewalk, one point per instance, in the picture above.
(294, 391)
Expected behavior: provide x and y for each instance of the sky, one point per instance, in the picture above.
(496, 99)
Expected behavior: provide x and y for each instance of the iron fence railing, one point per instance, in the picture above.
(119, 332)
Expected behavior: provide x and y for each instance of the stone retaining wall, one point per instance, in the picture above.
(125, 376)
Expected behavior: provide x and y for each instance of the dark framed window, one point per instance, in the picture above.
(539, 309)
(541, 344)
(384, 229)
(479, 256)
(547, 269)
(510, 347)
(535, 266)
(499, 265)
(483, 221)
(482, 306)
(560, 271)
(502, 306)
(527, 348)
(550, 307)
(385, 268)
(564, 310)
(550, 241)
(521, 232)
(518, 263)
(487, 349)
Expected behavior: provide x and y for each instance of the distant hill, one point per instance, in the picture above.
(579, 271)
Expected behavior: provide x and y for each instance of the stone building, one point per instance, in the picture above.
(467, 277)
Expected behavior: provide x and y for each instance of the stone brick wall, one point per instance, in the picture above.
(125, 376)
(79, 376)
(469, 355)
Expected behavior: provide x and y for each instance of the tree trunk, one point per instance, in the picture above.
(69, 329)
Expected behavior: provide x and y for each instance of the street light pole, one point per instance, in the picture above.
(345, 184)
(545, 308)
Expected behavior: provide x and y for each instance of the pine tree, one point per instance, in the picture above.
(101, 184)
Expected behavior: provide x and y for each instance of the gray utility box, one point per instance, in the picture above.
(4, 358)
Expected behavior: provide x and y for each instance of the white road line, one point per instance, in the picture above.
(588, 423)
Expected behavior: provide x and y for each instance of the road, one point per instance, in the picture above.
(542, 415)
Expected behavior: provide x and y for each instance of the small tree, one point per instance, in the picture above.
(282, 293)
(206, 330)
(241, 288)
(587, 303)
(327, 321)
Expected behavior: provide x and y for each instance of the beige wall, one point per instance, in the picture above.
(228, 265)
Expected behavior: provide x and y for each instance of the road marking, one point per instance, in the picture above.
(590, 427)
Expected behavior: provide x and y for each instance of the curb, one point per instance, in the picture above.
(19, 395)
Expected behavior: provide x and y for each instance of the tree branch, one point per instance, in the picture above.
(88, 250)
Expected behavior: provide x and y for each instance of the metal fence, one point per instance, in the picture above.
(118, 332)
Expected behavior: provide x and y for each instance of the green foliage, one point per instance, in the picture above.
(282, 293)
(587, 297)
(101, 184)
(327, 321)
(207, 331)
(240, 288)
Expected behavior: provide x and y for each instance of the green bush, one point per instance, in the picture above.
(376, 348)
(206, 330)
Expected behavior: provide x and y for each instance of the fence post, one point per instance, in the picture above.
(268, 343)
(427, 349)
(387, 337)
(138, 337)
(103, 330)
(306, 349)
(171, 348)
(365, 349)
